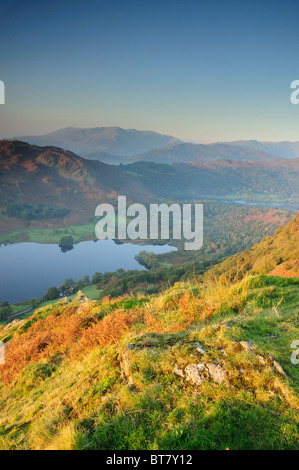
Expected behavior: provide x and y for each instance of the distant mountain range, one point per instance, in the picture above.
(183, 152)
(283, 149)
(115, 145)
(97, 142)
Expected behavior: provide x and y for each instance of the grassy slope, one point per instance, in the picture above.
(70, 382)
(71, 394)
(267, 255)
(91, 291)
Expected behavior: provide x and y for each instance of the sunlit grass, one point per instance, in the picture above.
(81, 400)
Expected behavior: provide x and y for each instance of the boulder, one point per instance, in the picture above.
(246, 345)
(178, 371)
(261, 360)
(199, 347)
(199, 373)
(279, 369)
(195, 373)
(125, 364)
(216, 372)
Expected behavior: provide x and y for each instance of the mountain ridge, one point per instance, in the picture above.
(111, 140)
(284, 149)
(186, 152)
(117, 145)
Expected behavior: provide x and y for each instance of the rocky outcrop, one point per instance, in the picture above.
(197, 374)
(248, 347)
(216, 372)
(279, 369)
(125, 363)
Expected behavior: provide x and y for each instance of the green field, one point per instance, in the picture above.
(50, 235)
(79, 233)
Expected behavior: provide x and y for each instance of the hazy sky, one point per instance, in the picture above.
(201, 71)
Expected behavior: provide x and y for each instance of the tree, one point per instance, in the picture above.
(97, 278)
(5, 311)
(67, 283)
(86, 280)
(52, 294)
(66, 243)
(80, 285)
(34, 302)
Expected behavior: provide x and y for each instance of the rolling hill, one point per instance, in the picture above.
(256, 181)
(284, 149)
(49, 175)
(184, 153)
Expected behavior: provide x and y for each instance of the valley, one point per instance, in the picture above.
(68, 188)
(96, 374)
(149, 230)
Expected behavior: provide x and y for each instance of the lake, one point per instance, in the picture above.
(28, 269)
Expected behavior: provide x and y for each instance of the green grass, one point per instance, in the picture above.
(19, 307)
(90, 291)
(79, 233)
(86, 403)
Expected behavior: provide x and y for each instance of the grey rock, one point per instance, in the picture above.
(178, 371)
(217, 373)
(130, 382)
(279, 369)
(195, 373)
(125, 364)
(261, 360)
(199, 347)
(246, 345)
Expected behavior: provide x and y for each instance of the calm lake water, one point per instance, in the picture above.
(28, 269)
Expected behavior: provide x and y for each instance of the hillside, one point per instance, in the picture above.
(99, 140)
(185, 152)
(283, 149)
(268, 256)
(50, 175)
(199, 366)
(266, 181)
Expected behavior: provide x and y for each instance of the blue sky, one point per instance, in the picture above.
(202, 71)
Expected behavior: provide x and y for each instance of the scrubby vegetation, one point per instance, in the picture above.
(268, 255)
(35, 211)
(247, 180)
(102, 374)
(207, 363)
